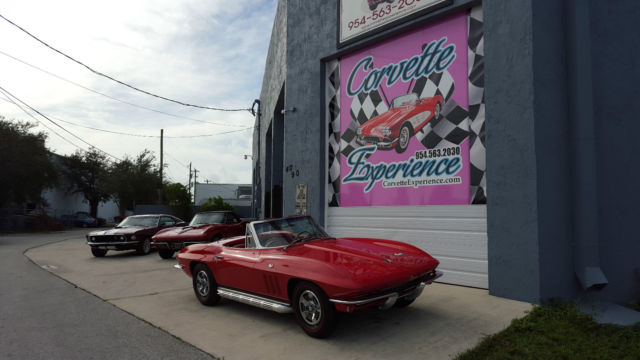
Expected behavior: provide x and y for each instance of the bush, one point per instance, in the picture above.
(216, 204)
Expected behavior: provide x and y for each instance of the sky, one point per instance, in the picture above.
(209, 53)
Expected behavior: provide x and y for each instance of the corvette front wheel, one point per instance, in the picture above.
(314, 313)
(204, 285)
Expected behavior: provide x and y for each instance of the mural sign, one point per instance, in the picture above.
(358, 17)
(404, 137)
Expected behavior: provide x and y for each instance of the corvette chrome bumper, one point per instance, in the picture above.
(390, 297)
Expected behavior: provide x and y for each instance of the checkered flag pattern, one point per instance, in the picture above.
(450, 129)
(476, 107)
(435, 84)
(364, 107)
(332, 96)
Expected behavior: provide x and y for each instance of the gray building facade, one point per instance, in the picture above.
(559, 88)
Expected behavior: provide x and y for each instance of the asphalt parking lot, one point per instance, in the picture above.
(444, 321)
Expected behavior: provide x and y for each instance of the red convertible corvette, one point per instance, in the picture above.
(292, 265)
(393, 129)
(204, 227)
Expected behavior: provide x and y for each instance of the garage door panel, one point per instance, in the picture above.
(417, 223)
(456, 235)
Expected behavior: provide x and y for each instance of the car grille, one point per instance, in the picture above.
(371, 139)
(107, 238)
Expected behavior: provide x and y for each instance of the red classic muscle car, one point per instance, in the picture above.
(394, 128)
(292, 265)
(134, 232)
(204, 227)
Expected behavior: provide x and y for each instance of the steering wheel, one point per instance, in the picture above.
(302, 235)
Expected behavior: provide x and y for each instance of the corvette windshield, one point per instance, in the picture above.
(207, 218)
(144, 221)
(282, 232)
(403, 100)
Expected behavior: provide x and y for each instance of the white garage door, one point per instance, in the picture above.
(455, 235)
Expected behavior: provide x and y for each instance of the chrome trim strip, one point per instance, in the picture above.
(254, 300)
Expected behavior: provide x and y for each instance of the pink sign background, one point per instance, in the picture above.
(393, 51)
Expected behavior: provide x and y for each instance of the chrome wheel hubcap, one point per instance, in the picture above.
(310, 309)
(202, 283)
(146, 246)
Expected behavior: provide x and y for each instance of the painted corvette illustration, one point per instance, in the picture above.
(373, 4)
(394, 128)
(291, 265)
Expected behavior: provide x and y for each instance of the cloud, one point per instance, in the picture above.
(204, 52)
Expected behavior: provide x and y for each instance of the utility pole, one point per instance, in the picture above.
(189, 186)
(161, 161)
(195, 182)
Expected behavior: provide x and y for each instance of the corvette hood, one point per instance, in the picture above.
(387, 119)
(369, 261)
(184, 231)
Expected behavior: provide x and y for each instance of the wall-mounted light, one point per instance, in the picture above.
(248, 157)
(284, 111)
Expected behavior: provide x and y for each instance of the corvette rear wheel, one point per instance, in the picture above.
(314, 313)
(144, 248)
(165, 253)
(204, 285)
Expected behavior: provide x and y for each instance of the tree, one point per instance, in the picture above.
(134, 181)
(216, 203)
(88, 174)
(26, 165)
(177, 197)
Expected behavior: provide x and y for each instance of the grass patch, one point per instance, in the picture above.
(558, 332)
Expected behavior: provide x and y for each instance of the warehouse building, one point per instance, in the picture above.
(497, 135)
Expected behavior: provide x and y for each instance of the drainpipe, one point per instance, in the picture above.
(256, 188)
(586, 252)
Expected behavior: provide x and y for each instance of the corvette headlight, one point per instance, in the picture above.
(359, 131)
(385, 131)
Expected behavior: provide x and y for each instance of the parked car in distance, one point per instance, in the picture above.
(134, 232)
(292, 265)
(205, 227)
(80, 219)
(394, 128)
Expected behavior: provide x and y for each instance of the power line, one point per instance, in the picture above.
(113, 79)
(8, 99)
(178, 161)
(56, 124)
(150, 136)
(111, 97)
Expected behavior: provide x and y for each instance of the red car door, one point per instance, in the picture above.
(235, 268)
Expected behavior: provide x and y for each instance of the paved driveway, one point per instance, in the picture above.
(442, 322)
